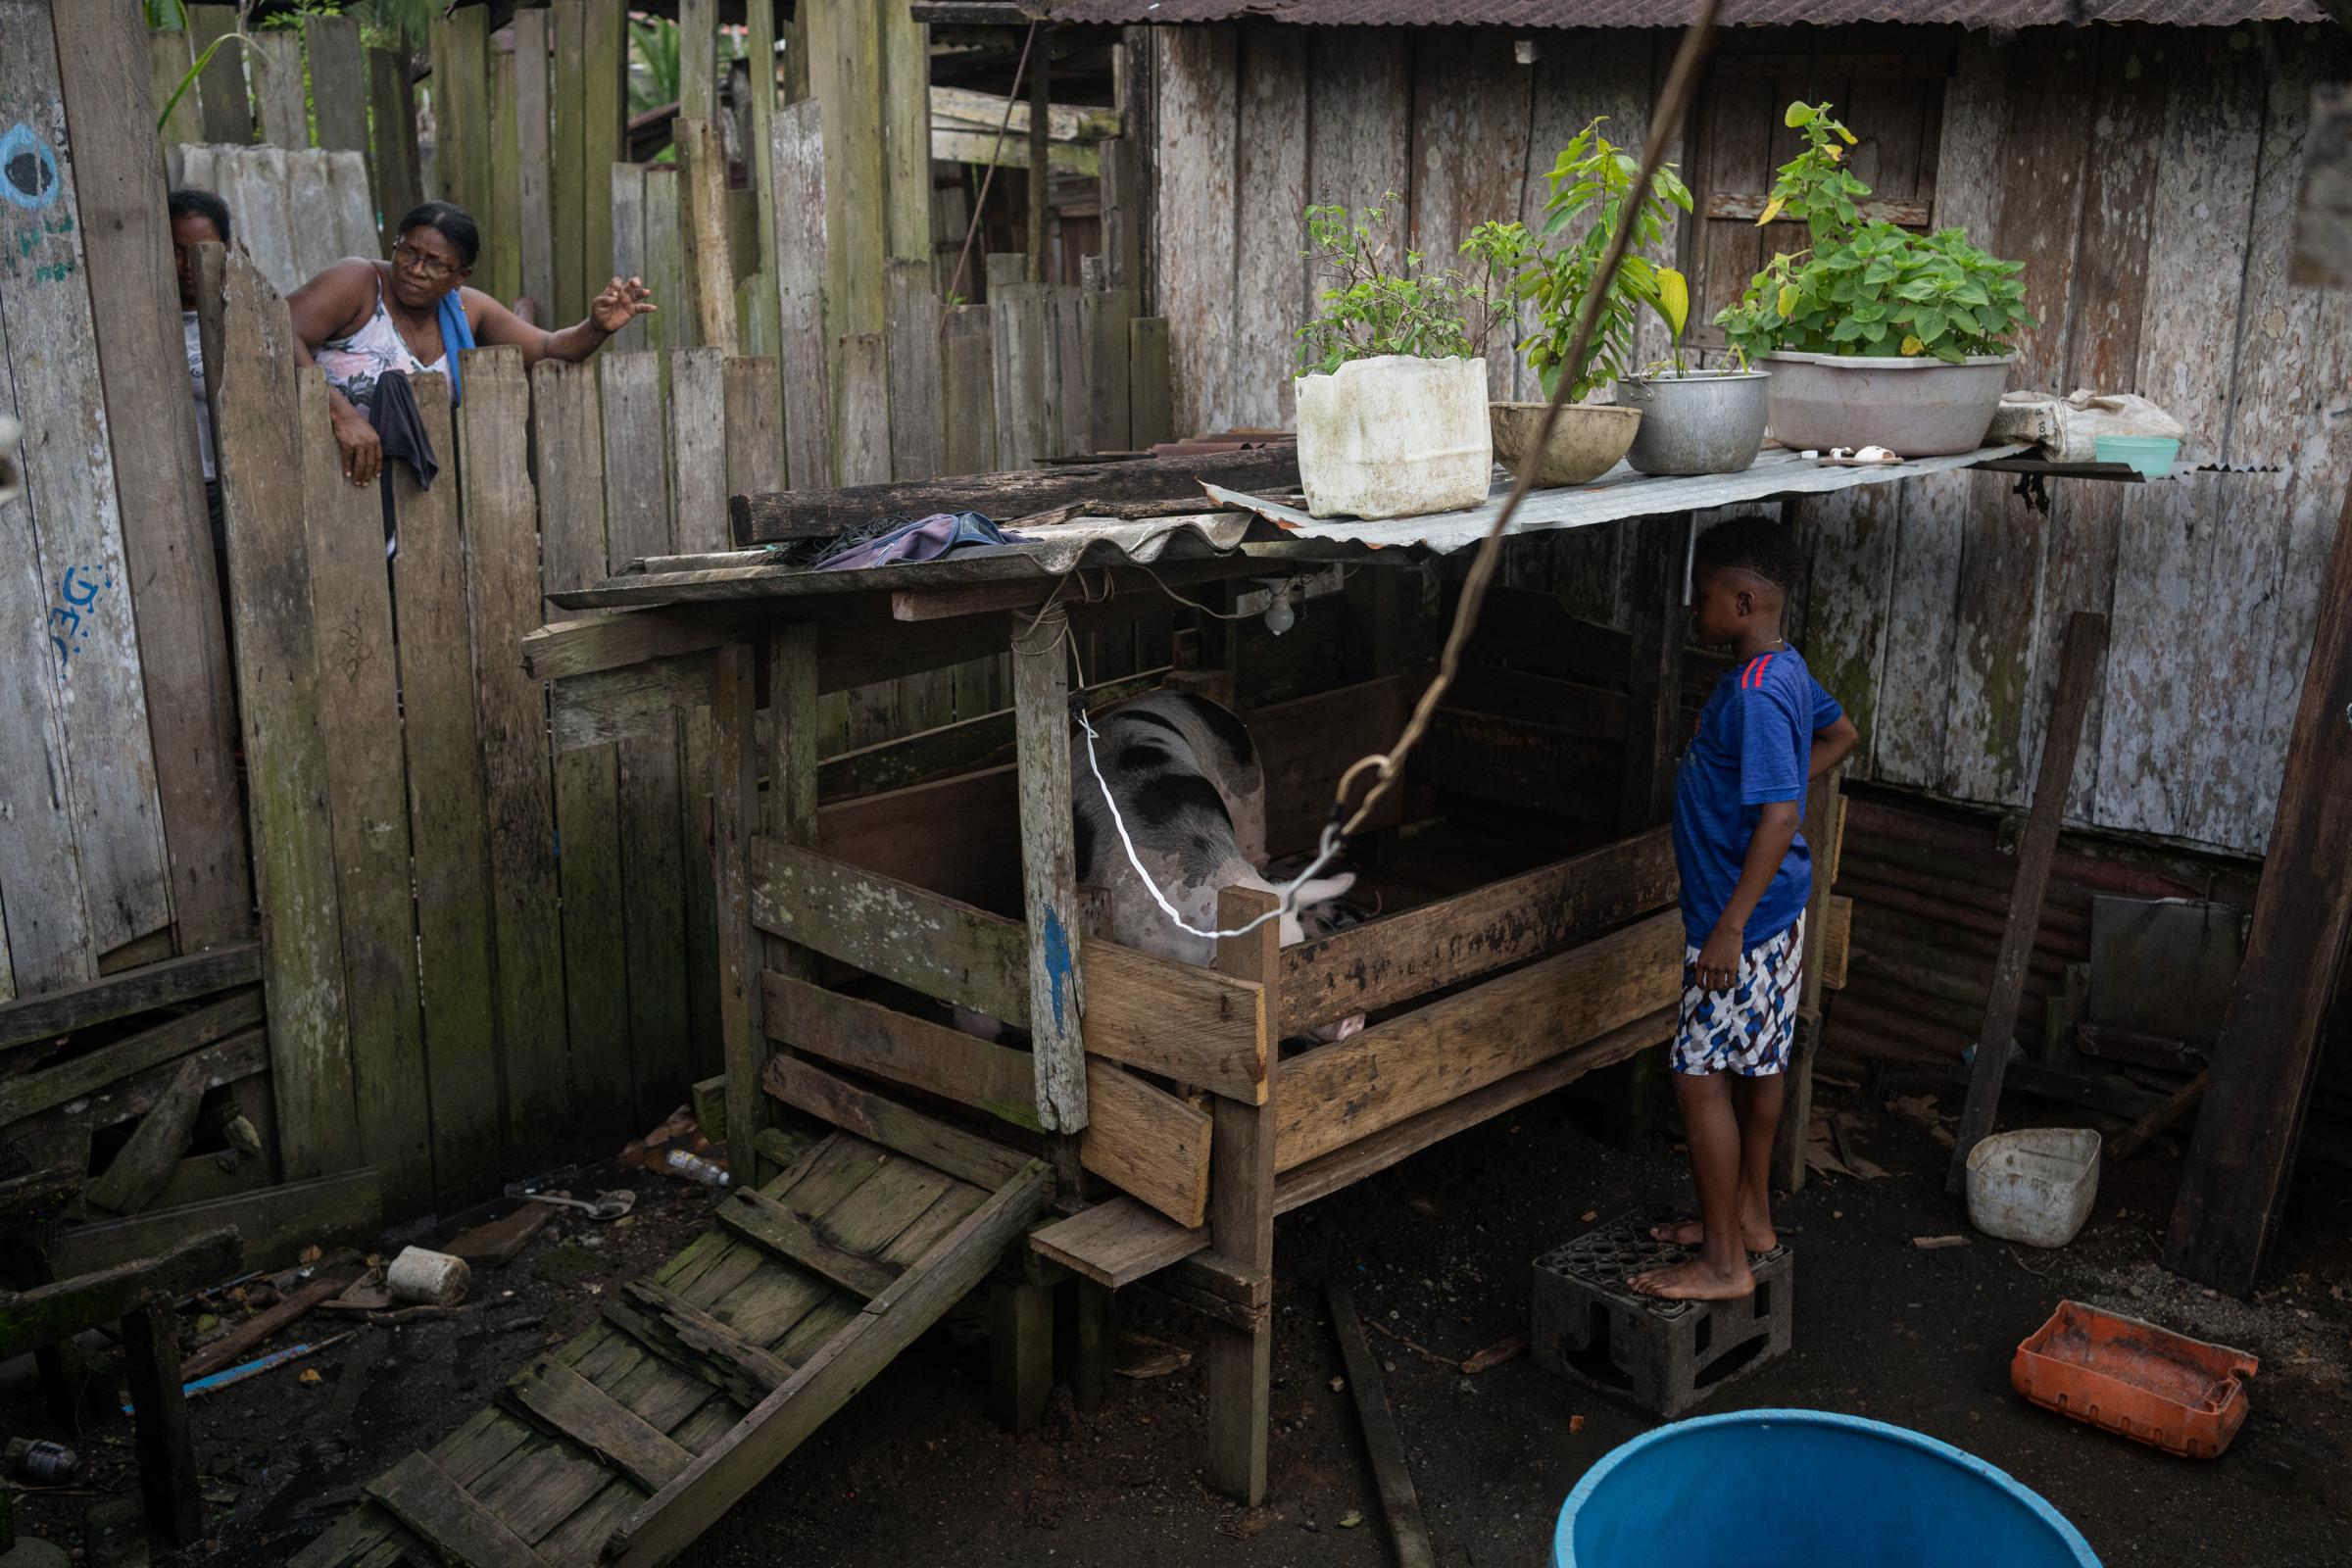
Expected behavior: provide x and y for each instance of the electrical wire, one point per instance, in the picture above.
(980, 202)
(1389, 764)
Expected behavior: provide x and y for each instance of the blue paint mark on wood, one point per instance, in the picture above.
(28, 172)
(1057, 962)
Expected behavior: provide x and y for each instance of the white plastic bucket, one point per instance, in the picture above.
(1394, 438)
(2034, 1186)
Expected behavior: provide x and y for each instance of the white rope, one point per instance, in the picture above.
(1289, 891)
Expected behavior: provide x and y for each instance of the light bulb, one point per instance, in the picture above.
(1280, 616)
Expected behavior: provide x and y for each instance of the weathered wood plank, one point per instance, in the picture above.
(1145, 1141)
(156, 985)
(734, 818)
(797, 155)
(776, 1228)
(1105, 316)
(694, 1342)
(1151, 394)
(338, 82)
(1049, 876)
(846, 76)
(965, 1156)
(534, 214)
(104, 1292)
(1194, 1025)
(894, 1045)
(968, 395)
(1244, 1158)
(559, 1401)
(360, 722)
(166, 1454)
(861, 410)
(448, 828)
(702, 208)
(1408, 1537)
(227, 112)
(392, 129)
(1197, 120)
(916, 441)
(421, 1496)
(256, 422)
(274, 66)
(1383, 962)
(173, 581)
(461, 44)
(673, 1517)
(1270, 184)
(604, 86)
(67, 475)
(274, 1224)
(1335, 1093)
(142, 1166)
(572, 168)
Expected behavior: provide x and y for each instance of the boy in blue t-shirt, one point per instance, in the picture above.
(1768, 729)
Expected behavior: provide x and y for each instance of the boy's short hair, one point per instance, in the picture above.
(1752, 544)
(193, 203)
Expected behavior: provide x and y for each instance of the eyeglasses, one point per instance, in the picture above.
(432, 269)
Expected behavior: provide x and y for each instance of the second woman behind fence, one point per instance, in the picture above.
(360, 319)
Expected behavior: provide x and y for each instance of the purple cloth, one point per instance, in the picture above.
(931, 538)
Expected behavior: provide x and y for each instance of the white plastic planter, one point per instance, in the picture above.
(1394, 438)
(2034, 1186)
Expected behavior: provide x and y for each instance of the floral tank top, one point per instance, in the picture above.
(353, 363)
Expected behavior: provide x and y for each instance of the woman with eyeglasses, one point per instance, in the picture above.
(360, 319)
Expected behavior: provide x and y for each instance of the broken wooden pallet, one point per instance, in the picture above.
(628, 1441)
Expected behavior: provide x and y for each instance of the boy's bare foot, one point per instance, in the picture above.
(1695, 1281)
(1693, 1233)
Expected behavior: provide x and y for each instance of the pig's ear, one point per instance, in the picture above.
(1324, 889)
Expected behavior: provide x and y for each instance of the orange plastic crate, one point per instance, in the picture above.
(2150, 1385)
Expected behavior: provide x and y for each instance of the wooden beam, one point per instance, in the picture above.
(628, 703)
(888, 1044)
(734, 819)
(980, 598)
(160, 1429)
(274, 1224)
(50, 1313)
(1194, 1025)
(1399, 956)
(34, 1020)
(2078, 675)
(1335, 1093)
(1145, 1141)
(1653, 732)
(949, 749)
(1257, 470)
(1048, 871)
(143, 1167)
(448, 1518)
(662, 1528)
(94, 1070)
(696, 1343)
(2135, 1138)
(1241, 1222)
(965, 1156)
(1408, 1536)
(2266, 1059)
(776, 1229)
(1792, 1138)
(557, 1400)
(938, 945)
(614, 641)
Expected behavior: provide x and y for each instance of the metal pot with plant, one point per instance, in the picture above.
(1391, 385)
(1877, 336)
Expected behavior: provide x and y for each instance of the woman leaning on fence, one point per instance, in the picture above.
(360, 319)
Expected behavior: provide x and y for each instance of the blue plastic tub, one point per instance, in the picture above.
(1805, 1489)
(2152, 455)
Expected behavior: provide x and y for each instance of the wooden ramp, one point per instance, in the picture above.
(623, 1444)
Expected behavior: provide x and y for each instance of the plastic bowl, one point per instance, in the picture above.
(2152, 455)
(1804, 1489)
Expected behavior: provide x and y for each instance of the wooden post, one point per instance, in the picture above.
(1653, 731)
(568, 179)
(1150, 397)
(797, 155)
(1084, 1317)
(969, 397)
(734, 818)
(709, 268)
(698, 60)
(1241, 1226)
(1041, 178)
(1822, 820)
(2078, 671)
(167, 1456)
(2234, 1187)
(227, 112)
(1049, 872)
(604, 81)
(503, 270)
(392, 117)
(789, 812)
(1020, 1351)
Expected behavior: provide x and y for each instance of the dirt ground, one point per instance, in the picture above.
(1437, 1251)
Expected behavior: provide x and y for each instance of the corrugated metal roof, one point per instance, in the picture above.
(1540, 14)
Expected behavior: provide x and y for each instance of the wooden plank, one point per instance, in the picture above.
(698, 59)
(392, 129)
(257, 424)
(1017, 340)
(1049, 876)
(966, 1156)
(1338, 1092)
(734, 818)
(696, 1343)
(32, 1019)
(142, 1167)
(568, 179)
(87, 1297)
(637, 522)
(227, 114)
(1198, 119)
(907, 101)
(448, 829)
(776, 1228)
(861, 410)
(897, 1045)
(534, 213)
(968, 395)
(674, 1516)
(1194, 1025)
(421, 1496)
(502, 580)
(1116, 1242)
(1106, 313)
(1244, 1155)
(68, 476)
(230, 1347)
(1151, 395)
(338, 82)
(503, 272)
(462, 116)
(1145, 1141)
(166, 1454)
(1270, 187)
(567, 440)
(273, 65)
(166, 540)
(559, 1401)
(797, 155)
(936, 944)
(1393, 960)
(635, 702)
(1408, 1537)
(168, 62)
(916, 441)
(709, 268)
(360, 723)
(846, 76)
(1653, 729)
(274, 1224)
(2086, 642)
(2233, 1185)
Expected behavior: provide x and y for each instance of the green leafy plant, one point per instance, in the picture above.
(654, 75)
(1868, 288)
(1385, 302)
(1592, 183)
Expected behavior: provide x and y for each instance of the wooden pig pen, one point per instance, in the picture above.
(1526, 932)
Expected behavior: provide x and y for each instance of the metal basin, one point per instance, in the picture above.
(1709, 422)
(1917, 407)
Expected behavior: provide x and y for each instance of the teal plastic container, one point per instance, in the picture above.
(2152, 455)
(1807, 1488)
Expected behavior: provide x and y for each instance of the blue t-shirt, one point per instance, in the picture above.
(1753, 745)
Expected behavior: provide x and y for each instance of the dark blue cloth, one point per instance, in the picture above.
(457, 334)
(942, 533)
(1754, 747)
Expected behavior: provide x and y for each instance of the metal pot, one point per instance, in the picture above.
(1915, 408)
(1709, 422)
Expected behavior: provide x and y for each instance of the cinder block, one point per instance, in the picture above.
(1663, 1356)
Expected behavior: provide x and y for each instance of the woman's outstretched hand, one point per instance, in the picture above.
(621, 303)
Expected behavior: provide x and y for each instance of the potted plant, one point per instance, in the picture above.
(1391, 386)
(1877, 336)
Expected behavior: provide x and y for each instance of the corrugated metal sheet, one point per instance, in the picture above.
(1542, 14)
